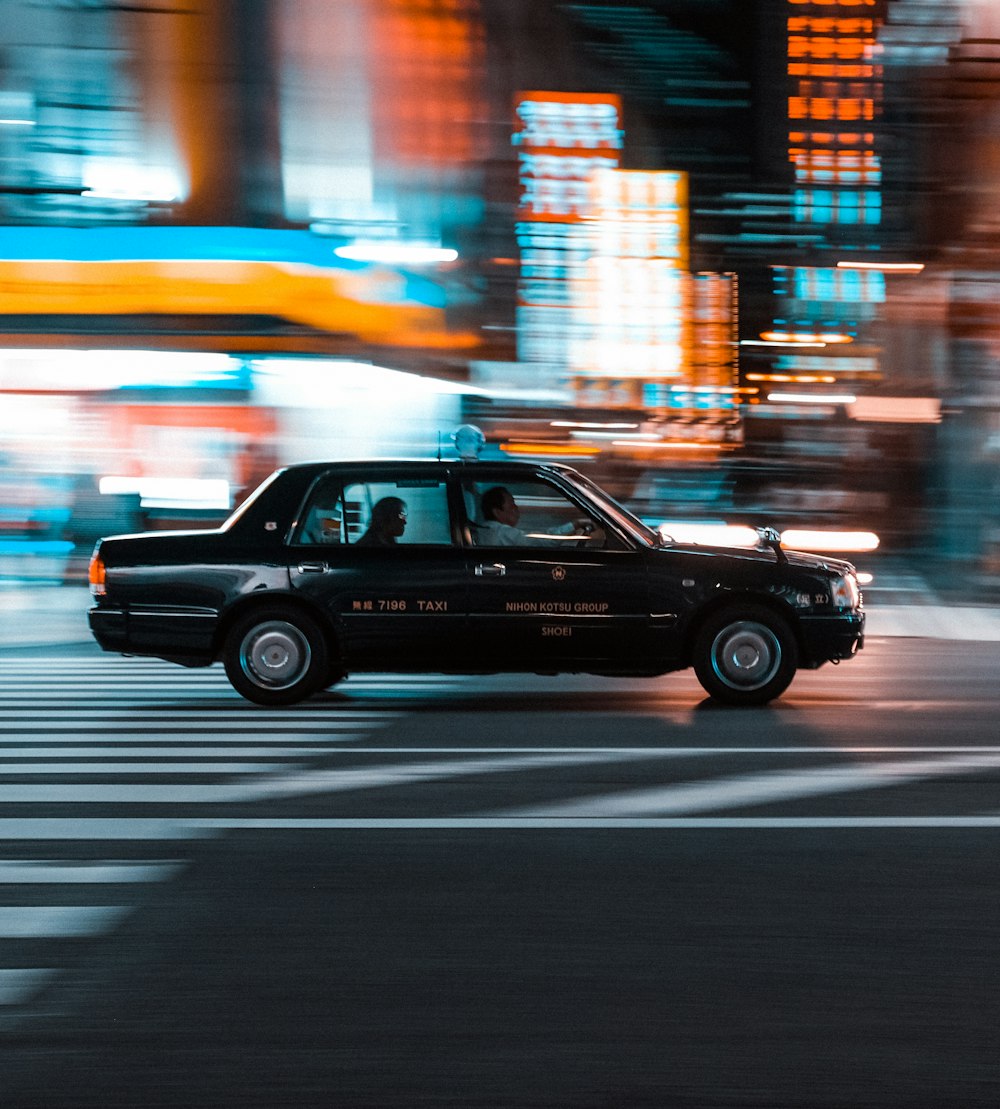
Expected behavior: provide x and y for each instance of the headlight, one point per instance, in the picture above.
(844, 591)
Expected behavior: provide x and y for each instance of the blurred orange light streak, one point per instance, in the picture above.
(549, 449)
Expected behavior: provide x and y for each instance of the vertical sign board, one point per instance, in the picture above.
(561, 138)
(835, 95)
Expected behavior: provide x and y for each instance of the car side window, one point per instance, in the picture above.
(378, 513)
(527, 514)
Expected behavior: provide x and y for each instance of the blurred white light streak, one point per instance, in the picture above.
(206, 493)
(324, 379)
(390, 253)
(83, 370)
(722, 534)
(710, 535)
(638, 437)
(884, 267)
(116, 180)
(812, 398)
(812, 540)
(661, 445)
(798, 343)
(596, 426)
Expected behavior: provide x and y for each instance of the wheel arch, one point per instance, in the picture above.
(733, 599)
(268, 599)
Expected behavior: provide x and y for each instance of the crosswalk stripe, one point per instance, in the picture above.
(92, 871)
(128, 726)
(18, 984)
(127, 732)
(113, 829)
(58, 921)
(161, 712)
(95, 768)
(61, 749)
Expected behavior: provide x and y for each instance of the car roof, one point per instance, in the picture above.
(319, 466)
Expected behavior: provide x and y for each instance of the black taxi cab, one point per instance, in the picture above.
(465, 566)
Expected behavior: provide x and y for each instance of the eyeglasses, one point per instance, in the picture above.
(401, 515)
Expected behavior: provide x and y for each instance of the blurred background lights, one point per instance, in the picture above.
(109, 180)
(844, 542)
(686, 264)
(398, 254)
(167, 492)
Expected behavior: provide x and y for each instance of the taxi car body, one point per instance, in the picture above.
(294, 592)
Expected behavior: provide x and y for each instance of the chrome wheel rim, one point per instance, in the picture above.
(746, 655)
(275, 655)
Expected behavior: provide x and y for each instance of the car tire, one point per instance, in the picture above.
(276, 656)
(745, 655)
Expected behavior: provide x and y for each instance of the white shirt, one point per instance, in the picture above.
(495, 534)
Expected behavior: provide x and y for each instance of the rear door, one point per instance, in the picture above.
(398, 603)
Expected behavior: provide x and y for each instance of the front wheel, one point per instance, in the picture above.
(745, 655)
(275, 656)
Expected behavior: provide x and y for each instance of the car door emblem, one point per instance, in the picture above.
(558, 573)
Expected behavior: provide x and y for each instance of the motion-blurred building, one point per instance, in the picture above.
(740, 255)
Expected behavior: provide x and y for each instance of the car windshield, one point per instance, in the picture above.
(621, 515)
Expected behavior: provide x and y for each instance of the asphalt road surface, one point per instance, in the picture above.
(471, 892)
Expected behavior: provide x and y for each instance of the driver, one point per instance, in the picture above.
(501, 515)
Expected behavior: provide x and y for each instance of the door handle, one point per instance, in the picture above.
(491, 570)
(312, 567)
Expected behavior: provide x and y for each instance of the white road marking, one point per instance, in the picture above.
(761, 789)
(61, 747)
(554, 823)
(97, 769)
(58, 921)
(104, 829)
(158, 722)
(185, 713)
(104, 727)
(292, 785)
(90, 871)
(19, 985)
(136, 829)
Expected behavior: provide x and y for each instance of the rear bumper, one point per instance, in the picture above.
(160, 631)
(832, 638)
(109, 627)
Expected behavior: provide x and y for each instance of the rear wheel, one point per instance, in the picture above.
(745, 655)
(276, 656)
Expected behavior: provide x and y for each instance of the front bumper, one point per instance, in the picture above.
(831, 638)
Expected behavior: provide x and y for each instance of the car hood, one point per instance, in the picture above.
(802, 560)
(822, 562)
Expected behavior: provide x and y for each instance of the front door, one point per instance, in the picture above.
(552, 586)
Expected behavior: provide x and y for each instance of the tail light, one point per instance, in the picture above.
(97, 574)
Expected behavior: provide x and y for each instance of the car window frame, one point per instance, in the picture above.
(382, 473)
(555, 479)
